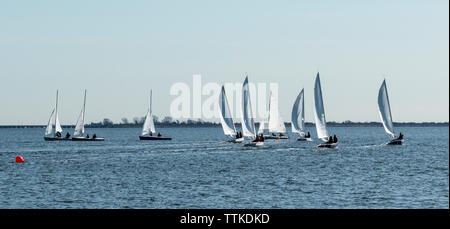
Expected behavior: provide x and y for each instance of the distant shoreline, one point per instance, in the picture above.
(213, 125)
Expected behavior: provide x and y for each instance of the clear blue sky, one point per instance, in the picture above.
(119, 50)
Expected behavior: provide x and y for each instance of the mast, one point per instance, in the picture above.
(84, 107)
(56, 114)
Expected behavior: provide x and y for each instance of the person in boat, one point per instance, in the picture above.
(261, 138)
(273, 134)
(281, 134)
(87, 135)
(256, 139)
(159, 135)
(335, 139)
(308, 135)
(330, 139)
(151, 134)
(94, 136)
(400, 136)
(67, 135)
(58, 134)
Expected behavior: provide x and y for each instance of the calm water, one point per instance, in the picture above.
(198, 170)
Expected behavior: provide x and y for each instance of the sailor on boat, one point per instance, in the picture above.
(335, 139)
(67, 135)
(261, 138)
(58, 134)
(87, 135)
(256, 139)
(94, 136)
(308, 135)
(159, 135)
(400, 136)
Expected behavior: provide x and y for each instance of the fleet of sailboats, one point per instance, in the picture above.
(384, 108)
(275, 124)
(148, 129)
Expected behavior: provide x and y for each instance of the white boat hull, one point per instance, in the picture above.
(254, 144)
(85, 139)
(236, 140)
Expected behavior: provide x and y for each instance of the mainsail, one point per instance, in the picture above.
(248, 124)
(262, 126)
(319, 112)
(149, 126)
(225, 115)
(385, 110)
(49, 128)
(298, 115)
(79, 127)
(276, 124)
(58, 128)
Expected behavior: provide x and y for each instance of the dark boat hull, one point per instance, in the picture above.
(327, 145)
(275, 137)
(85, 139)
(156, 138)
(395, 142)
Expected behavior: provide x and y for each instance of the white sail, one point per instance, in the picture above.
(79, 127)
(225, 115)
(149, 125)
(58, 128)
(248, 124)
(262, 127)
(319, 111)
(298, 115)
(49, 128)
(276, 124)
(385, 110)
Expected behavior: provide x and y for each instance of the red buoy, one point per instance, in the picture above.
(19, 159)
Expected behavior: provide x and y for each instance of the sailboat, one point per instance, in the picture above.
(319, 115)
(55, 135)
(248, 124)
(148, 129)
(78, 134)
(226, 120)
(298, 118)
(276, 123)
(384, 108)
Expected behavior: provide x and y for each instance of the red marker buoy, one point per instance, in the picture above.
(19, 159)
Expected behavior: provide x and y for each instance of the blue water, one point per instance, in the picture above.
(197, 169)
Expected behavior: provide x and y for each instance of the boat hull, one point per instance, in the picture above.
(327, 145)
(236, 140)
(56, 139)
(304, 139)
(156, 138)
(85, 139)
(275, 137)
(254, 144)
(395, 142)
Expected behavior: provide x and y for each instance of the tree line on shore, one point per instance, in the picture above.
(168, 121)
